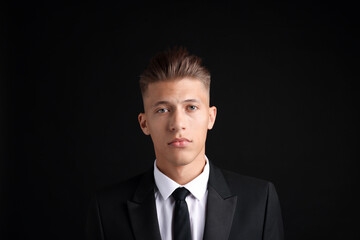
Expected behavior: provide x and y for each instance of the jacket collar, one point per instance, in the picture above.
(142, 210)
(221, 205)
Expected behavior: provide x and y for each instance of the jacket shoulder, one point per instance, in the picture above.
(120, 191)
(242, 184)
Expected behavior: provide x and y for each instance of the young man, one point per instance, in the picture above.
(184, 196)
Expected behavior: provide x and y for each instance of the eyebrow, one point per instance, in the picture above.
(167, 102)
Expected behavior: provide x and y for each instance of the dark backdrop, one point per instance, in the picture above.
(283, 78)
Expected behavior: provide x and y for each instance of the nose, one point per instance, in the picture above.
(177, 121)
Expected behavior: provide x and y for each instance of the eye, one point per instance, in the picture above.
(162, 110)
(192, 108)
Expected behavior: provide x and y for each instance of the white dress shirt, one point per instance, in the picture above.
(196, 202)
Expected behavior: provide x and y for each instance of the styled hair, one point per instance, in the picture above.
(174, 64)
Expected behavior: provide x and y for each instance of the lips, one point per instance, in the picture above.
(179, 142)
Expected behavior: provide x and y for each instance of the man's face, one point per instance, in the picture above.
(177, 117)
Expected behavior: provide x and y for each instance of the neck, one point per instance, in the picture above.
(182, 173)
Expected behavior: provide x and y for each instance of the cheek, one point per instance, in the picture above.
(200, 121)
(200, 126)
(156, 138)
(156, 127)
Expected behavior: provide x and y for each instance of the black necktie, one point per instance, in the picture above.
(181, 227)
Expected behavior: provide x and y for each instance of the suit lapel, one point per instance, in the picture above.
(142, 210)
(221, 206)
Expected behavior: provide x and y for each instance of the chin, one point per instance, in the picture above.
(182, 159)
(182, 163)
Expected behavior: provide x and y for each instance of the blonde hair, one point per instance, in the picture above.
(174, 64)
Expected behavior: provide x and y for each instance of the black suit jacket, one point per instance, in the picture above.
(238, 207)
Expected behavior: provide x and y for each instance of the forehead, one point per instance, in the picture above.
(176, 90)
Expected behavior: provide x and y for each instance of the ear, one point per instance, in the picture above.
(212, 117)
(143, 123)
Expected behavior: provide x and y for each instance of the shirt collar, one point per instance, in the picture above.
(197, 186)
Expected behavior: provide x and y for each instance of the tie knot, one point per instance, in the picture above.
(180, 193)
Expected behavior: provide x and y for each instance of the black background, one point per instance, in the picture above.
(283, 79)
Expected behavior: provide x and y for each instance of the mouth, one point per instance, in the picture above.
(179, 142)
